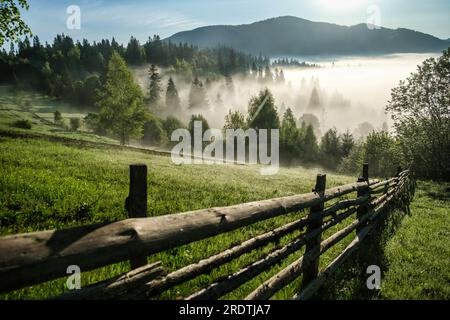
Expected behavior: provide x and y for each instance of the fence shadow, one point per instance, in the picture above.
(349, 281)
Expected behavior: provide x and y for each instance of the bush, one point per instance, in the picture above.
(92, 122)
(57, 116)
(23, 124)
(170, 124)
(381, 151)
(75, 124)
(198, 117)
(353, 163)
(154, 134)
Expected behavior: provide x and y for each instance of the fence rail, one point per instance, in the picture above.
(33, 258)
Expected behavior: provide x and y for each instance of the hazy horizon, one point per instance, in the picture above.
(352, 91)
(141, 19)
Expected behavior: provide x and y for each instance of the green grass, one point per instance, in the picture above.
(50, 185)
(39, 110)
(411, 249)
(418, 254)
(54, 185)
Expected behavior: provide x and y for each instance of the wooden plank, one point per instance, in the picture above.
(117, 287)
(344, 204)
(206, 265)
(28, 259)
(295, 269)
(385, 183)
(233, 281)
(309, 290)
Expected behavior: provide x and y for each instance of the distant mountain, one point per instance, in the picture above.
(292, 36)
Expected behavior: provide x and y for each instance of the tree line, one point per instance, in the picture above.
(124, 114)
(97, 74)
(73, 70)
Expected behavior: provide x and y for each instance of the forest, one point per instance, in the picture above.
(99, 78)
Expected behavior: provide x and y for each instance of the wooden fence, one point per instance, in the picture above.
(34, 258)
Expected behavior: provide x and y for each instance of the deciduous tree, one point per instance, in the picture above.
(120, 100)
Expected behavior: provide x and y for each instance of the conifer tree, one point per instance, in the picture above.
(155, 85)
(197, 95)
(173, 102)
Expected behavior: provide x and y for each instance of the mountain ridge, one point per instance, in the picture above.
(289, 35)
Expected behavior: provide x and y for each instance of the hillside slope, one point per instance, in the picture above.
(295, 36)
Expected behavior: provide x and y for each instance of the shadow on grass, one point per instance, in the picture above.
(442, 193)
(349, 281)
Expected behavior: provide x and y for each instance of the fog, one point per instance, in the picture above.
(350, 91)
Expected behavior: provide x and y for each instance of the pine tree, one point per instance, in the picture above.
(234, 120)
(197, 95)
(281, 79)
(347, 143)
(310, 119)
(288, 136)
(229, 84)
(135, 55)
(268, 77)
(218, 103)
(262, 112)
(155, 85)
(310, 148)
(172, 98)
(260, 75)
(314, 101)
(254, 70)
(330, 149)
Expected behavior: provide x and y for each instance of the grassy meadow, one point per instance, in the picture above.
(53, 185)
(39, 110)
(410, 248)
(418, 254)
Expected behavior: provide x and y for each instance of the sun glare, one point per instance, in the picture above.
(341, 4)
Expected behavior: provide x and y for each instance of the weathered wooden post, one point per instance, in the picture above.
(136, 203)
(362, 209)
(316, 219)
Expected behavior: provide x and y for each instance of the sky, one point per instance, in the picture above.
(143, 18)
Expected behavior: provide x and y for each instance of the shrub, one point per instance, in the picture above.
(75, 124)
(381, 151)
(154, 133)
(57, 116)
(23, 124)
(93, 122)
(170, 124)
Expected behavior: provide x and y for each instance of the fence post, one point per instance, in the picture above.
(399, 170)
(136, 203)
(316, 219)
(362, 209)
